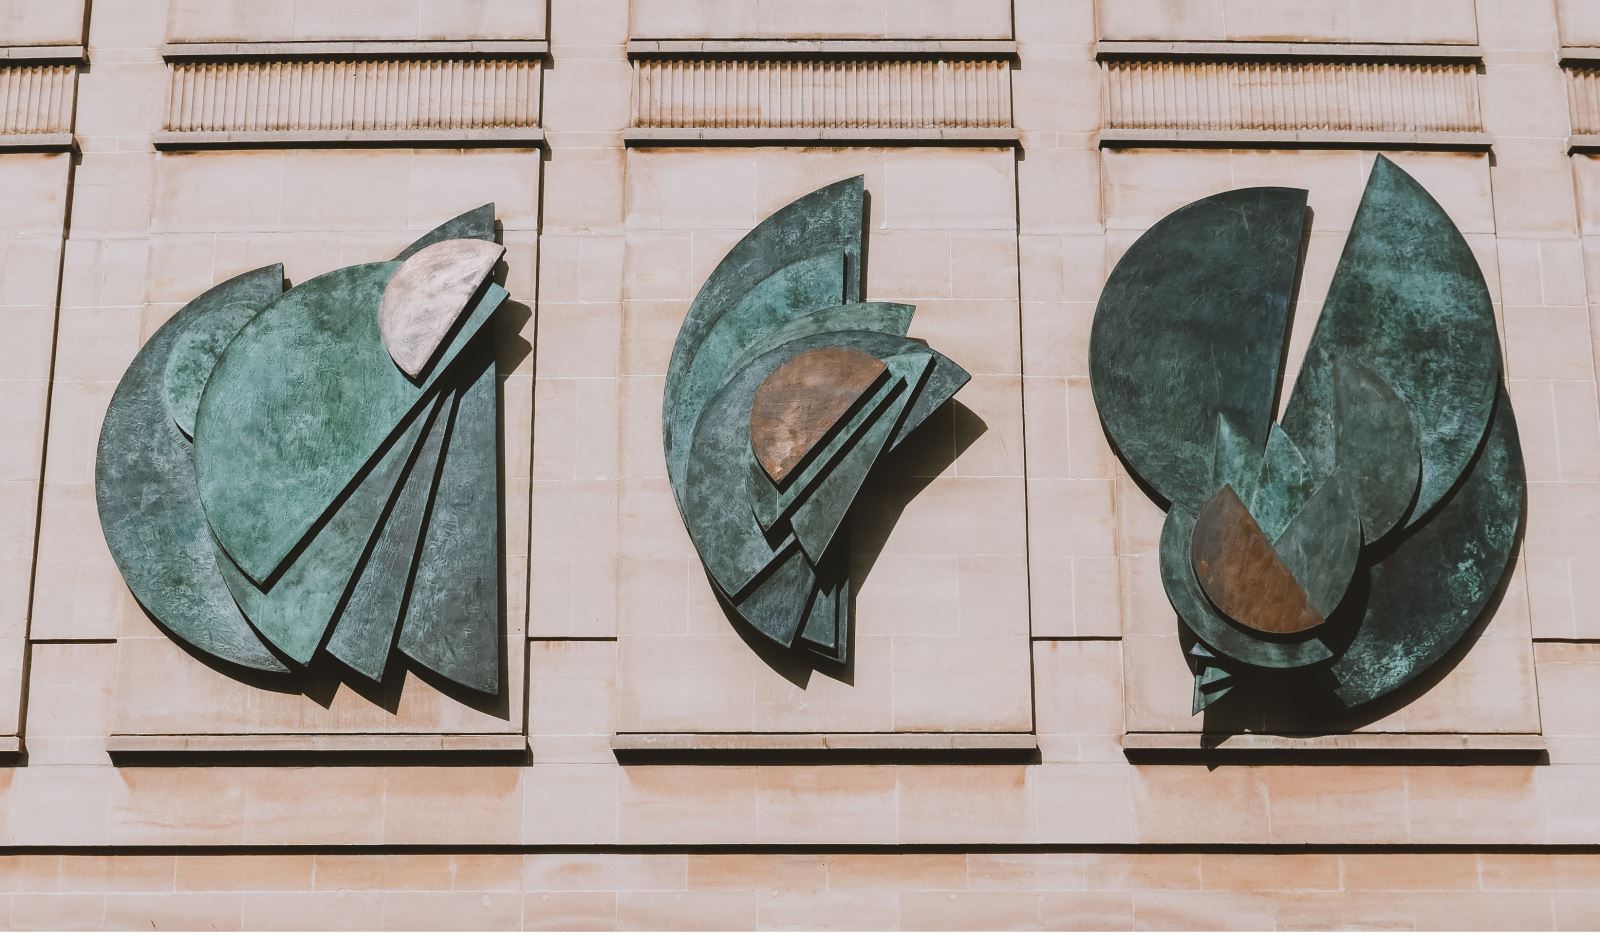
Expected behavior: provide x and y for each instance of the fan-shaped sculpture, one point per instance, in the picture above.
(1366, 532)
(281, 473)
(783, 391)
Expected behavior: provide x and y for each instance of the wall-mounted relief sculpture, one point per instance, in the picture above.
(1353, 542)
(284, 476)
(784, 390)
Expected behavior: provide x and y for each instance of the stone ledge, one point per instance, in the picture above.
(177, 51)
(60, 55)
(430, 138)
(201, 749)
(813, 47)
(1344, 51)
(1580, 55)
(1583, 143)
(889, 136)
(1240, 747)
(57, 142)
(825, 742)
(10, 750)
(1117, 138)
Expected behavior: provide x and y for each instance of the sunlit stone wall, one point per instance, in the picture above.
(1013, 744)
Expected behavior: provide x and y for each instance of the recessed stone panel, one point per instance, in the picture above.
(298, 21)
(937, 509)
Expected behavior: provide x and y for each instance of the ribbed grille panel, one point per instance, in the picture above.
(1314, 95)
(36, 99)
(865, 93)
(1583, 97)
(355, 95)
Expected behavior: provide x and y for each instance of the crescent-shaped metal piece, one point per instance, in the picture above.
(1191, 325)
(1408, 301)
(149, 509)
(427, 296)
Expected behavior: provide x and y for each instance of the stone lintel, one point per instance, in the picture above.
(532, 48)
(54, 55)
(822, 742)
(132, 746)
(1341, 51)
(1150, 746)
(941, 48)
(52, 142)
(809, 136)
(421, 138)
(1128, 138)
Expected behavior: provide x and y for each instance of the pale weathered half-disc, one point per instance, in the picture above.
(427, 296)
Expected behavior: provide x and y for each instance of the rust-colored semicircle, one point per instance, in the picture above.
(803, 399)
(1242, 573)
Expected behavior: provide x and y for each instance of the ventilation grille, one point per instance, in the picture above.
(1386, 97)
(826, 93)
(36, 99)
(375, 97)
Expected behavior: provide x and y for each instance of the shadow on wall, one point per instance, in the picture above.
(893, 485)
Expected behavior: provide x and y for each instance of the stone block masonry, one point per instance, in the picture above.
(1012, 746)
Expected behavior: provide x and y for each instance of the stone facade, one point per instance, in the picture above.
(1012, 746)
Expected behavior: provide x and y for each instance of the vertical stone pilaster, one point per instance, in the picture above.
(1543, 301)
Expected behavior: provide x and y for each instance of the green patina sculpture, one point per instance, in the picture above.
(783, 392)
(341, 490)
(1365, 534)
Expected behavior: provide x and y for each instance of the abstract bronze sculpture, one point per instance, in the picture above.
(783, 391)
(281, 473)
(1363, 535)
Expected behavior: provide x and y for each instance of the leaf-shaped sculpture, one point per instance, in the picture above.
(342, 487)
(784, 390)
(1368, 532)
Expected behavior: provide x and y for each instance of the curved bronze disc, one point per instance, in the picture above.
(1241, 571)
(800, 403)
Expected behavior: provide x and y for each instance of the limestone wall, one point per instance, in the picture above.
(1013, 745)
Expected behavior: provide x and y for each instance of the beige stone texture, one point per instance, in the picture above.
(821, 19)
(1008, 582)
(322, 20)
(36, 185)
(42, 22)
(1381, 21)
(1580, 23)
(1467, 890)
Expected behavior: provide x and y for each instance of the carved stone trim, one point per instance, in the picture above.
(1336, 51)
(1583, 100)
(1306, 102)
(264, 101)
(36, 106)
(531, 48)
(950, 747)
(53, 54)
(687, 99)
(814, 47)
